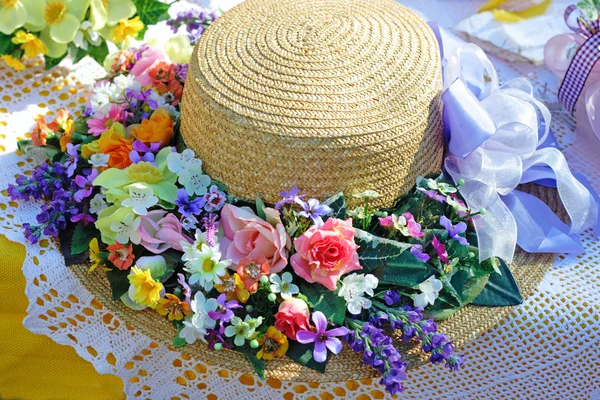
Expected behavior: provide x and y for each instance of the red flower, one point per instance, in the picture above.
(121, 256)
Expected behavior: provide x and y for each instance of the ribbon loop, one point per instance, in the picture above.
(496, 141)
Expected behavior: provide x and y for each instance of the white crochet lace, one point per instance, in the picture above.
(547, 348)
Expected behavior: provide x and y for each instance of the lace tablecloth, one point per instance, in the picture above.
(546, 349)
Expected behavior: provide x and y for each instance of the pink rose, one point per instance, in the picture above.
(248, 236)
(141, 68)
(326, 253)
(292, 317)
(160, 232)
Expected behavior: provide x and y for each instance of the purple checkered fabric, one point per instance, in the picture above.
(583, 62)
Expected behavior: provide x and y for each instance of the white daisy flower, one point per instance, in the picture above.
(206, 267)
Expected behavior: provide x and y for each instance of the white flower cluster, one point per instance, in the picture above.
(203, 261)
(189, 172)
(353, 290)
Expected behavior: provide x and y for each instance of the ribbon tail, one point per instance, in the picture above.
(539, 230)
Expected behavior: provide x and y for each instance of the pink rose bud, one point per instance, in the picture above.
(292, 316)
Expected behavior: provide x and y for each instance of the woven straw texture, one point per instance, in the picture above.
(327, 95)
(468, 323)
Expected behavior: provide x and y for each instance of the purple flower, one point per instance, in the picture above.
(141, 152)
(186, 206)
(391, 297)
(314, 210)
(454, 362)
(440, 249)
(417, 251)
(322, 338)
(211, 228)
(289, 197)
(83, 218)
(86, 184)
(72, 159)
(224, 309)
(214, 336)
(454, 230)
(214, 200)
(432, 194)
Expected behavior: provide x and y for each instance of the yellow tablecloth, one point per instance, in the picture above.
(33, 366)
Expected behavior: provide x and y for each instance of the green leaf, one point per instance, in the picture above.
(178, 341)
(119, 284)
(6, 45)
(25, 145)
(588, 9)
(52, 62)
(150, 11)
(65, 238)
(82, 236)
(338, 204)
(393, 260)
(98, 53)
(500, 290)
(303, 355)
(76, 53)
(260, 208)
(329, 303)
(258, 365)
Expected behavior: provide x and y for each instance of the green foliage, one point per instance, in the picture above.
(329, 303)
(393, 261)
(589, 8)
(337, 203)
(303, 355)
(6, 45)
(260, 208)
(53, 62)
(119, 284)
(500, 290)
(178, 341)
(65, 238)
(82, 236)
(98, 53)
(150, 11)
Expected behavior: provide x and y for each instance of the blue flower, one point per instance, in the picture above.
(314, 210)
(189, 207)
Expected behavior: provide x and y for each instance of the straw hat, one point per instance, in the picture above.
(326, 95)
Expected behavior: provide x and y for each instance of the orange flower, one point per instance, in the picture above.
(63, 126)
(251, 271)
(40, 132)
(173, 306)
(233, 287)
(114, 143)
(164, 80)
(121, 256)
(274, 344)
(159, 128)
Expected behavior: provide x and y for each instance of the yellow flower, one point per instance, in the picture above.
(173, 306)
(95, 255)
(13, 63)
(30, 44)
(144, 290)
(16, 13)
(127, 28)
(109, 12)
(274, 344)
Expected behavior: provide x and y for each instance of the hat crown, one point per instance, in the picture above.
(326, 95)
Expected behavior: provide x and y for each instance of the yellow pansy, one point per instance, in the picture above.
(62, 19)
(127, 28)
(13, 62)
(143, 289)
(30, 44)
(16, 13)
(109, 12)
